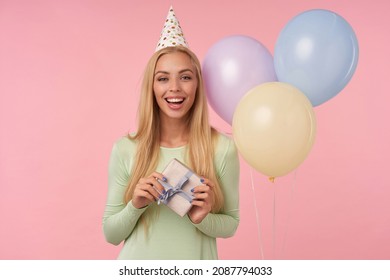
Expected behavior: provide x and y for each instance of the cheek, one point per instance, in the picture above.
(158, 92)
(192, 89)
(156, 96)
(159, 87)
(192, 97)
(155, 90)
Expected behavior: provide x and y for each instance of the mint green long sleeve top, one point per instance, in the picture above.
(169, 236)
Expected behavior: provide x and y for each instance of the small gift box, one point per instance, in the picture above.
(180, 181)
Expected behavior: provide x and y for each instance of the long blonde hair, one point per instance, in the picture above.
(202, 137)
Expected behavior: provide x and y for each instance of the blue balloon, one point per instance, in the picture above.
(317, 52)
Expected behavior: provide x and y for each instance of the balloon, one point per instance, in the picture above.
(317, 51)
(274, 128)
(233, 66)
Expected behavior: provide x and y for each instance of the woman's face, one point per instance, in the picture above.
(175, 85)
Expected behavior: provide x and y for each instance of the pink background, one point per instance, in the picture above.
(69, 78)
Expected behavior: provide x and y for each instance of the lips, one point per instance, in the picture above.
(175, 100)
(175, 103)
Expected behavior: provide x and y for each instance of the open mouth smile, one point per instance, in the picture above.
(175, 101)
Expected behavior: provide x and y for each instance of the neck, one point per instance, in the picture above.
(173, 133)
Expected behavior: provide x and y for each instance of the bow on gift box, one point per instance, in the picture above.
(170, 190)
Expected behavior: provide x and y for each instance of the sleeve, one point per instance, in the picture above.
(224, 224)
(119, 219)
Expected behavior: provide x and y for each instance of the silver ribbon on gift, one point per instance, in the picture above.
(170, 190)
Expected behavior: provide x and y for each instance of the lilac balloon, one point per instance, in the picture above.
(232, 67)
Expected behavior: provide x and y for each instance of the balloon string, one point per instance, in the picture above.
(257, 216)
(289, 210)
(273, 224)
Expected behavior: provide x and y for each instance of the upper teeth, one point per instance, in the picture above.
(175, 99)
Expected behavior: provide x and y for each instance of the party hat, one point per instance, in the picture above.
(171, 35)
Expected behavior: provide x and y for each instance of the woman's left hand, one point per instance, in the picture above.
(202, 202)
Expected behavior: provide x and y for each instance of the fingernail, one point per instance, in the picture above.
(164, 179)
(164, 191)
(192, 190)
(201, 180)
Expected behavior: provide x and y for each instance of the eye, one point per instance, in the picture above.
(162, 79)
(186, 77)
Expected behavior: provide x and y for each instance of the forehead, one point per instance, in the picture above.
(174, 62)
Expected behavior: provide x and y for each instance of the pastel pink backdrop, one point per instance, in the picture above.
(69, 78)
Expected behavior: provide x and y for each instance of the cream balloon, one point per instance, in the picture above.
(274, 128)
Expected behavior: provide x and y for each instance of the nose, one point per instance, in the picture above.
(174, 85)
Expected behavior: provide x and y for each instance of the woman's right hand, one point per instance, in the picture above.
(147, 190)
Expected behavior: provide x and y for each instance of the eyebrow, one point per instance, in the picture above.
(166, 72)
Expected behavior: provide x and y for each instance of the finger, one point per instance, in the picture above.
(142, 181)
(199, 203)
(157, 175)
(151, 190)
(155, 184)
(201, 196)
(144, 194)
(207, 182)
(201, 189)
(156, 188)
(153, 180)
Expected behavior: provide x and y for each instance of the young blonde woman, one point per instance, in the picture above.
(172, 123)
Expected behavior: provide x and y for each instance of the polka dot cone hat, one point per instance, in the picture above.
(171, 35)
